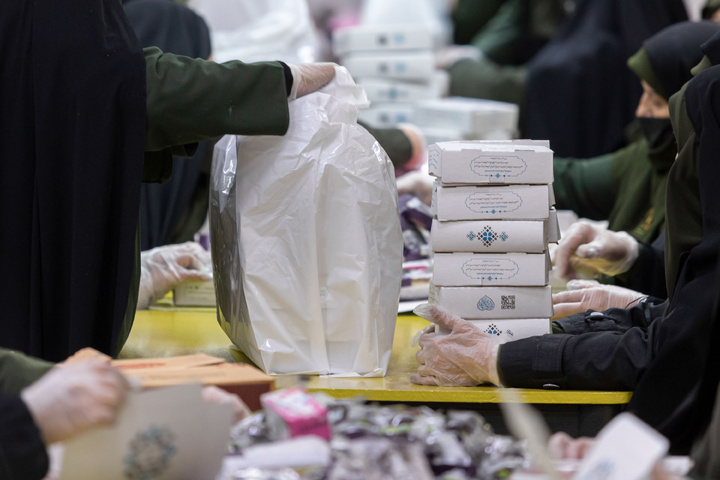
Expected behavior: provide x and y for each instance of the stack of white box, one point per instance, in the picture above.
(494, 217)
(396, 67)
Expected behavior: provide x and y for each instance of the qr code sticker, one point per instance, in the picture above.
(507, 302)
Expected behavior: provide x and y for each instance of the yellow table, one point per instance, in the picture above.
(181, 331)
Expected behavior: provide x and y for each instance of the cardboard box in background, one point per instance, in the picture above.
(195, 294)
(241, 379)
(377, 38)
(384, 115)
(491, 269)
(515, 202)
(468, 115)
(391, 90)
(474, 303)
(489, 236)
(417, 66)
(457, 163)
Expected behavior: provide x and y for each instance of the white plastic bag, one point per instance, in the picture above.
(306, 240)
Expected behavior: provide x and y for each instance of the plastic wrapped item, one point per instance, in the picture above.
(306, 240)
(292, 412)
(381, 458)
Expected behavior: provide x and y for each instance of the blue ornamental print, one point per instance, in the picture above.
(485, 304)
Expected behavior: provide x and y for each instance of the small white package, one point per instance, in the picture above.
(490, 269)
(489, 236)
(513, 202)
(469, 115)
(493, 163)
(385, 115)
(417, 66)
(392, 90)
(363, 38)
(306, 240)
(474, 303)
(195, 294)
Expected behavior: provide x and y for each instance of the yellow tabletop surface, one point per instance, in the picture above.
(172, 331)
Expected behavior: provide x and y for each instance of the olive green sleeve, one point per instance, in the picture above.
(585, 186)
(470, 16)
(17, 371)
(486, 79)
(500, 39)
(189, 100)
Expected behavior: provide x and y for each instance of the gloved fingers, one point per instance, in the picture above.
(310, 77)
(594, 249)
(578, 234)
(420, 356)
(213, 394)
(439, 316)
(578, 448)
(420, 380)
(426, 371)
(577, 284)
(430, 329)
(563, 310)
(557, 445)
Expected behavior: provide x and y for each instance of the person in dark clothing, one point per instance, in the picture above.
(581, 73)
(86, 116)
(173, 211)
(663, 352)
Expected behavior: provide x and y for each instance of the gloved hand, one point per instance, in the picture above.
(464, 357)
(214, 394)
(73, 398)
(563, 447)
(310, 77)
(164, 267)
(583, 295)
(416, 183)
(595, 248)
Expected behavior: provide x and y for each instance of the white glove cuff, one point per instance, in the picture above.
(493, 374)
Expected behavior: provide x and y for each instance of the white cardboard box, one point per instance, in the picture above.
(491, 269)
(469, 115)
(409, 66)
(195, 294)
(515, 329)
(392, 90)
(384, 115)
(362, 38)
(473, 303)
(515, 202)
(457, 163)
(489, 236)
(553, 226)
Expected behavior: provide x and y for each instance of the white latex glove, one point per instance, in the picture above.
(563, 447)
(310, 77)
(598, 249)
(214, 394)
(164, 267)
(583, 295)
(464, 357)
(416, 183)
(76, 397)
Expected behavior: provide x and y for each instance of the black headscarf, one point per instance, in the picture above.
(72, 130)
(580, 94)
(666, 58)
(165, 208)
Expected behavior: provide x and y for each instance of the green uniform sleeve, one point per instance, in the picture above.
(585, 186)
(470, 16)
(189, 100)
(17, 371)
(486, 79)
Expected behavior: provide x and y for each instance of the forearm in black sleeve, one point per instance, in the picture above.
(647, 274)
(22, 453)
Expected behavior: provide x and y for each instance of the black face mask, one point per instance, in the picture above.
(657, 131)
